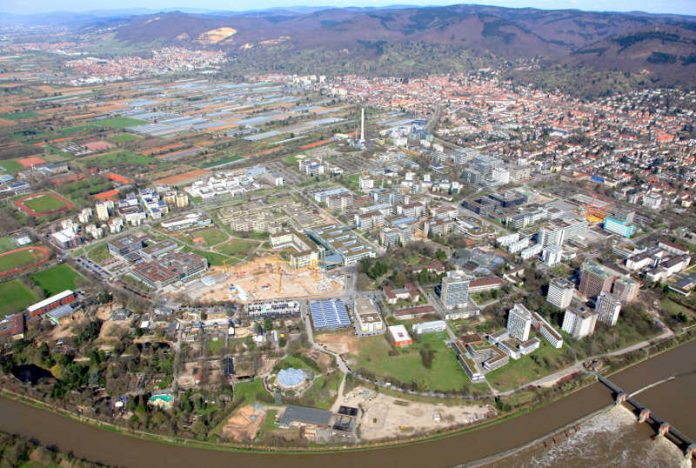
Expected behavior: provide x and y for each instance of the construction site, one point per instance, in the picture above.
(267, 278)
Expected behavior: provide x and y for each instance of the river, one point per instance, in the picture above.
(672, 400)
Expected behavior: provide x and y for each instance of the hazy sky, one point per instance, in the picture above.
(42, 6)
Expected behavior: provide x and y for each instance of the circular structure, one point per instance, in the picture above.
(291, 378)
(43, 204)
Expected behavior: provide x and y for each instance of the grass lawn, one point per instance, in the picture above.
(290, 159)
(16, 259)
(323, 391)
(211, 236)
(541, 362)
(445, 373)
(123, 138)
(250, 392)
(213, 258)
(44, 203)
(15, 297)
(215, 347)
(18, 115)
(99, 253)
(269, 424)
(119, 122)
(6, 243)
(11, 166)
(298, 362)
(236, 247)
(57, 279)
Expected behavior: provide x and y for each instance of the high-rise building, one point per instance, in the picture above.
(579, 321)
(102, 210)
(622, 228)
(560, 293)
(594, 279)
(626, 289)
(608, 308)
(552, 255)
(455, 289)
(552, 234)
(519, 322)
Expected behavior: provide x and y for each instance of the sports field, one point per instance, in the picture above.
(123, 138)
(15, 297)
(17, 260)
(57, 279)
(45, 203)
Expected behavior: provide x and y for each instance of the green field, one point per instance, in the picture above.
(323, 391)
(213, 258)
(215, 347)
(119, 158)
(540, 363)
(236, 247)
(6, 243)
(211, 236)
(99, 253)
(406, 365)
(44, 203)
(249, 392)
(57, 279)
(123, 138)
(119, 122)
(222, 161)
(11, 166)
(16, 260)
(18, 115)
(15, 297)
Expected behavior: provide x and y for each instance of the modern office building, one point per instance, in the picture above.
(560, 293)
(552, 255)
(519, 322)
(626, 289)
(622, 228)
(454, 291)
(579, 321)
(608, 307)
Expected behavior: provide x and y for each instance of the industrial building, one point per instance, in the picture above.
(329, 314)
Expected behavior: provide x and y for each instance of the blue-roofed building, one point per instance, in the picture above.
(331, 314)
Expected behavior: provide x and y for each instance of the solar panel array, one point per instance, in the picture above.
(329, 314)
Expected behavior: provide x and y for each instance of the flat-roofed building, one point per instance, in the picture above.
(399, 336)
(368, 320)
(53, 302)
(579, 321)
(595, 279)
(608, 308)
(560, 293)
(519, 323)
(305, 251)
(454, 290)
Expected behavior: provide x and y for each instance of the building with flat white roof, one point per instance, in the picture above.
(368, 321)
(399, 336)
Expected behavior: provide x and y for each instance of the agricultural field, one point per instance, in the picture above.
(118, 159)
(119, 122)
(408, 366)
(123, 138)
(18, 115)
(15, 297)
(57, 279)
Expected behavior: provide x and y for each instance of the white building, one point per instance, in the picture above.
(560, 293)
(519, 322)
(435, 326)
(454, 291)
(579, 322)
(552, 255)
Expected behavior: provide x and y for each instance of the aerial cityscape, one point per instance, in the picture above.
(414, 236)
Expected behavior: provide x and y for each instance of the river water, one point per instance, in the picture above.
(609, 437)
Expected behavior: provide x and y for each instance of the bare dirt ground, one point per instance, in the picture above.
(111, 331)
(386, 417)
(258, 279)
(340, 342)
(66, 326)
(244, 423)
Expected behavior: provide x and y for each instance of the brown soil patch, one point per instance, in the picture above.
(244, 424)
(341, 343)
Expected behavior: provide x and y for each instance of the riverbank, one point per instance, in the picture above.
(500, 435)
